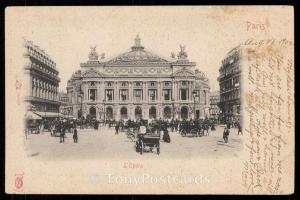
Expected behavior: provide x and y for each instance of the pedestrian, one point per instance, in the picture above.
(166, 136)
(75, 136)
(62, 135)
(213, 128)
(228, 124)
(226, 134)
(239, 128)
(117, 128)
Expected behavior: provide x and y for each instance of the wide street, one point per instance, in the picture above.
(104, 143)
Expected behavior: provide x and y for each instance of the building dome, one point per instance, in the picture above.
(137, 54)
(200, 75)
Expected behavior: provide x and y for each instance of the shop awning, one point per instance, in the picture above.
(31, 115)
(49, 114)
(69, 116)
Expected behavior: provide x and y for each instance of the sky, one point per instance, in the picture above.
(66, 34)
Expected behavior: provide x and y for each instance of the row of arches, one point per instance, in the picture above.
(138, 114)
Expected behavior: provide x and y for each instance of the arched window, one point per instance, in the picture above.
(167, 113)
(93, 112)
(109, 113)
(124, 113)
(184, 112)
(138, 113)
(152, 112)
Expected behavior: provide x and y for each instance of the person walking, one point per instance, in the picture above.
(62, 135)
(228, 124)
(75, 136)
(117, 128)
(239, 128)
(226, 134)
(166, 136)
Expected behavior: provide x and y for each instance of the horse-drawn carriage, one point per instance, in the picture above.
(146, 140)
(193, 129)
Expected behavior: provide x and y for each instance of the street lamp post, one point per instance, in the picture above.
(173, 109)
(80, 95)
(194, 95)
(104, 111)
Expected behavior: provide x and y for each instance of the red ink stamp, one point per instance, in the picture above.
(18, 85)
(19, 182)
(255, 26)
(133, 165)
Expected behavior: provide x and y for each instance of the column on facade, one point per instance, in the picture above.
(84, 90)
(36, 87)
(179, 91)
(176, 91)
(100, 95)
(159, 91)
(116, 91)
(190, 91)
(33, 87)
(56, 90)
(130, 93)
(39, 88)
(42, 89)
(144, 91)
(51, 91)
(47, 90)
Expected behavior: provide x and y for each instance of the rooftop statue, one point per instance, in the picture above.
(93, 55)
(137, 41)
(182, 55)
(172, 55)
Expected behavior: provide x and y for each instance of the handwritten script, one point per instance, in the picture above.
(268, 106)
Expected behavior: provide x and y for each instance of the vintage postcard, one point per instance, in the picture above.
(149, 100)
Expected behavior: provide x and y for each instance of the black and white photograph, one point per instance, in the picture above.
(109, 94)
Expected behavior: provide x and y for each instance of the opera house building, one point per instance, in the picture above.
(139, 84)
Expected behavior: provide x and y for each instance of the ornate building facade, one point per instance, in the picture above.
(43, 81)
(214, 104)
(230, 84)
(139, 84)
(65, 106)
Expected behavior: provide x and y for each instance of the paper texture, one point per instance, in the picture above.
(258, 161)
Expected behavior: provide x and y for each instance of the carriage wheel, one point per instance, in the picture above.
(194, 132)
(142, 148)
(137, 147)
(157, 148)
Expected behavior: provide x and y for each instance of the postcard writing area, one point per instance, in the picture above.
(268, 105)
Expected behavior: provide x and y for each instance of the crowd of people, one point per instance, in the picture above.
(201, 127)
